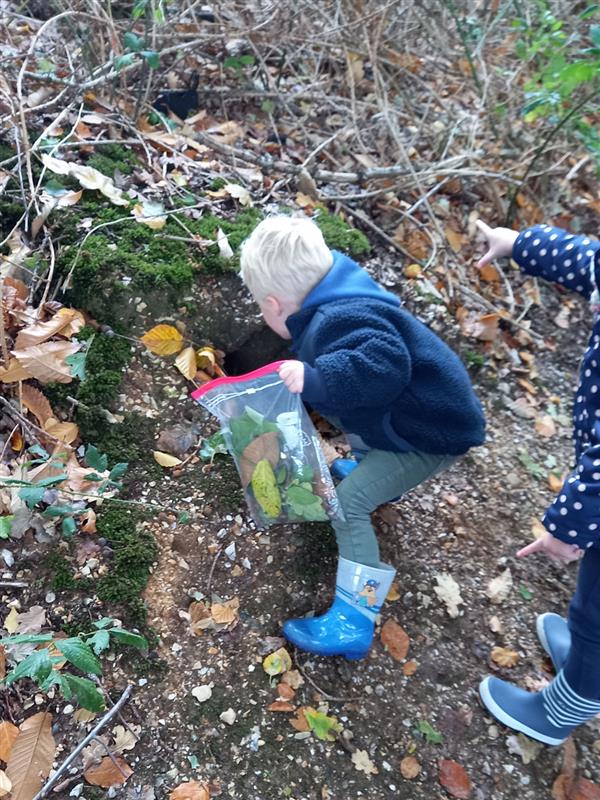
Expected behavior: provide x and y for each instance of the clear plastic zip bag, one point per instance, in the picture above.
(275, 447)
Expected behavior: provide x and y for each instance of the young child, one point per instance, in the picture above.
(572, 522)
(384, 378)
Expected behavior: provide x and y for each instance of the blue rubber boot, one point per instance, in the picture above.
(548, 716)
(555, 637)
(347, 628)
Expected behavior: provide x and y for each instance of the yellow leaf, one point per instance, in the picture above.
(266, 492)
(163, 340)
(11, 623)
(151, 214)
(456, 240)
(14, 372)
(504, 657)
(65, 432)
(8, 736)
(413, 270)
(165, 460)
(55, 165)
(393, 593)
(186, 363)
(555, 482)
(277, 662)
(239, 193)
(206, 358)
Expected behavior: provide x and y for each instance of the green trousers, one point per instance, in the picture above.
(381, 476)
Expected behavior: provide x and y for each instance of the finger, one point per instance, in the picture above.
(483, 227)
(534, 547)
(489, 256)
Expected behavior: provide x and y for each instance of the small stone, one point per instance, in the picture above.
(203, 693)
(76, 790)
(50, 598)
(228, 716)
(68, 709)
(493, 732)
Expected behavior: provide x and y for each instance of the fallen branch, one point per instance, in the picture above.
(91, 735)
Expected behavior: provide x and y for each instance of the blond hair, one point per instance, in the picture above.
(285, 257)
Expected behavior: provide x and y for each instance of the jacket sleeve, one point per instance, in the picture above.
(556, 255)
(574, 517)
(360, 366)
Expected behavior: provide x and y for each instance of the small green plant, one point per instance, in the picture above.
(238, 63)
(429, 733)
(134, 50)
(46, 665)
(532, 467)
(563, 63)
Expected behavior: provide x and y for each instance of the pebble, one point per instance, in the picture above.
(50, 598)
(203, 693)
(228, 716)
(76, 790)
(493, 732)
(8, 557)
(68, 709)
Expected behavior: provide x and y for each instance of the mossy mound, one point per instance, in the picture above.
(340, 235)
(110, 158)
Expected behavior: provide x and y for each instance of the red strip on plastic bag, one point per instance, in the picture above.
(248, 376)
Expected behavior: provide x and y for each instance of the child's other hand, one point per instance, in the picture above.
(292, 374)
(500, 242)
(557, 551)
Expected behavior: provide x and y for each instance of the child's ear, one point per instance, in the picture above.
(273, 305)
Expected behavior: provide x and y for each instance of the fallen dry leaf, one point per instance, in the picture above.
(14, 372)
(448, 591)
(125, 738)
(293, 678)
(192, 790)
(262, 447)
(567, 787)
(225, 613)
(65, 432)
(186, 363)
(456, 240)
(8, 735)
(395, 640)
(11, 621)
(393, 593)
(454, 779)
(504, 657)
(5, 783)
(409, 767)
(166, 460)
(42, 331)
(523, 746)
(545, 426)
(499, 588)
(281, 705)
(108, 773)
(555, 483)
(36, 402)
(31, 757)
(489, 274)
(300, 723)
(277, 662)
(410, 668)
(89, 521)
(2, 664)
(46, 362)
(362, 762)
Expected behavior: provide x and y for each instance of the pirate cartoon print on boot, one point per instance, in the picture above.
(367, 596)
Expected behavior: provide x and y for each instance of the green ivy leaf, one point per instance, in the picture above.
(68, 527)
(6, 526)
(525, 593)
(57, 511)
(85, 691)
(118, 471)
(124, 61)
(80, 655)
(104, 622)
(430, 734)
(26, 638)
(126, 637)
(324, 727)
(37, 666)
(95, 459)
(38, 450)
(53, 480)
(152, 58)
(132, 42)
(32, 495)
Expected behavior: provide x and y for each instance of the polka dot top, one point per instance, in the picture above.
(573, 262)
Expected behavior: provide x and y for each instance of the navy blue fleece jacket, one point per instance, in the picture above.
(379, 370)
(573, 262)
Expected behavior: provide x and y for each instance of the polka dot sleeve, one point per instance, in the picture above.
(556, 255)
(574, 517)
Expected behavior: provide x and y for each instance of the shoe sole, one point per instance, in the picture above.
(510, 722)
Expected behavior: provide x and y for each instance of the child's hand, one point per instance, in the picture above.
(557, 551)
(500, 242)
(292, 374)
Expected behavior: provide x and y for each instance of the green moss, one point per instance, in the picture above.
(10, 213)
(236, 230)
(61, 572)
(109, 157)
(134, 553)
(340, 235)
(217, 184)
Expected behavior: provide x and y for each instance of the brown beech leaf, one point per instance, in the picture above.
(65, 432)
(108, 773)
(504, 657)
(285, 691)
(192, 790)
(266, 447)
(454, 779)
(2, 668)
(300, 723)
(225, 613)
(42, 331)
(567, 787)
(409, 767)
(395, 640)
(37, 402)
(8, 735)
(31, 757)
(46, 362)
(89, 525)
(410, 668)
(281, 705)
(22, 292)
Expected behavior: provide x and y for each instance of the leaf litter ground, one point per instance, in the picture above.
(466, 524)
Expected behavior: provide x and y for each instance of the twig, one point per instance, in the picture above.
(14, 584)
(212, 569)
(92, 735)
(316, 686)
